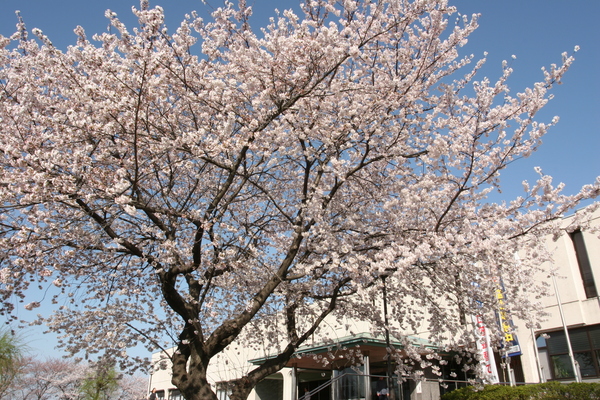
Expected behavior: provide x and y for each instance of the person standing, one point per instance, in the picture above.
(382, 389)
(306, 394)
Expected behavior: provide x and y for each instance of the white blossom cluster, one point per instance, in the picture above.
(184, 185)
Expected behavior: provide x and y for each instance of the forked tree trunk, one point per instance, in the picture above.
(202, 392)
(241, 389)
(189, 376)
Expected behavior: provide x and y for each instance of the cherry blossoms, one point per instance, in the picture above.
(195, 185)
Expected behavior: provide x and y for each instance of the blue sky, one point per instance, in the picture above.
(536, 31)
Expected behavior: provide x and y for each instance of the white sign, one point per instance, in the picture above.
(487, 353)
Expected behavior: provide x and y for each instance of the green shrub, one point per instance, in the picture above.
(542, 391)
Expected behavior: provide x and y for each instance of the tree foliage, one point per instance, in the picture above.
(11, 359)
(220, 180)
(48, 379)
(101, 382)
(542, 391)
(63, 379)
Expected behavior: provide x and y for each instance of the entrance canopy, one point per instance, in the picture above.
(348, 351)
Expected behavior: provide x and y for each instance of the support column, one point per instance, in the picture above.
(367, 373)
(295, 382)
(289, 382)
(537, 357)
(335, 387)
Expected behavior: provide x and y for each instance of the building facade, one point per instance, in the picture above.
(573, 303)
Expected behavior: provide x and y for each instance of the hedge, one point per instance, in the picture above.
(541, 391)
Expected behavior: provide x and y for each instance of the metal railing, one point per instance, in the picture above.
(335, 380)
(445, 384)
(327, 384)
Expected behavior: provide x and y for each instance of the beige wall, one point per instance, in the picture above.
(577, 309)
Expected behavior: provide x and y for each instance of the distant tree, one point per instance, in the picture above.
(11, 360)
(132, 387)
(49, 379)
(101, 382)
(166, 187)
(67, 383)
(56, 378)
(36, 381)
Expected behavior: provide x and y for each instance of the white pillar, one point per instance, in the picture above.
(537, 357)
(294, 382)
(335, 387)
(288, 384)
(367, 372)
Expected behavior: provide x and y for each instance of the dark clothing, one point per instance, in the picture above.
(382, 389)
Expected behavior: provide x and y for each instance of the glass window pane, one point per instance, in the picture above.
(557, 342)
(595, 336)
(584, 264)
(352, 385)
(562, 366)
(579, 339)
(586, 363)
(540, 341)
(174, 394)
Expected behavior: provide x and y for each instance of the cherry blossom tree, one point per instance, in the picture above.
(56, 378)
(48, 379)
(220, 181)
(133, 387)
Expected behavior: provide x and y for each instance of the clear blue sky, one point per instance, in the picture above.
(536, 31)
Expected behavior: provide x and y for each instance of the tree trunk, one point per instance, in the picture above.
(189, 376)
(199, 392)
(241, 389)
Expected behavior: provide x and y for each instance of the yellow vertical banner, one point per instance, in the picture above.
(510, 341)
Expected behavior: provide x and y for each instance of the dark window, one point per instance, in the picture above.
(585, 343)
(175, 394)
(595, 336)
(584, 264)
(586, 364)
(561, 366)
(556, 343)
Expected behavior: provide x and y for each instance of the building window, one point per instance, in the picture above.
(352, 384)
(175, 394)
(584, 264)
(585, 343)
(223, 390)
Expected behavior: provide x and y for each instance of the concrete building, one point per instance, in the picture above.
(354, 366)
(573, 303)
(544, 352)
